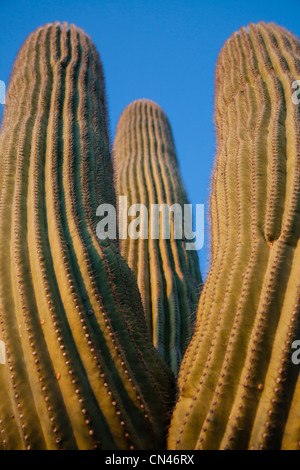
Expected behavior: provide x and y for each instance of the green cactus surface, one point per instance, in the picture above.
(238, 385)
(81, 370)
(168, 274)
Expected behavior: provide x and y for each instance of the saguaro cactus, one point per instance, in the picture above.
(238, 386)
(81, 371)
(167, 273)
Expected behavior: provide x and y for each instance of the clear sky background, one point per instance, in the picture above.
(164, 50)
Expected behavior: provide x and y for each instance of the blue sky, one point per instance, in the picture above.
(162, 50)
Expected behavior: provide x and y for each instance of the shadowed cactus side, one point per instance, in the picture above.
(238, 387)
(168, 274)
(81, 371)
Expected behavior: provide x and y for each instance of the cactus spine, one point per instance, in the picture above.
(168, 275)
(238, 386)
(81, 371)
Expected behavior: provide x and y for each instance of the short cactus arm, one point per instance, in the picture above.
(237, 381)
(168, 274)
(81, 371)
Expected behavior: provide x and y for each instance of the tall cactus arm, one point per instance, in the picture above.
(168, 274)
(237, 384)
(81, 371)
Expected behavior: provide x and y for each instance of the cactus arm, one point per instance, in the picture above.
(273, 307)
(71, 377)
(147, 173)
(82, 372)
(133, 155)
(237, 393)
(165, 326)
(183, 265)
